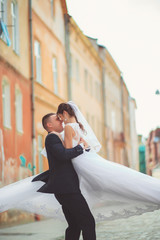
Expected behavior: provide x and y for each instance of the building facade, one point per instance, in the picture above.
(86, 80)
(114, 121)
(112, 107)
(49, 67)
(153, 153)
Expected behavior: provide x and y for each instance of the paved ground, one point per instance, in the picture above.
(144, 227)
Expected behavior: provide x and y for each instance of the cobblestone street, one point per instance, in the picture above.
(144, 227)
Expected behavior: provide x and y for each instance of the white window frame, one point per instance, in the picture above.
(40, 157)
(3, 11)
(6, 103)
(19, 110)
(15, 26)
(55, 75)
(86, 79)
(77, 70)
(38, 61)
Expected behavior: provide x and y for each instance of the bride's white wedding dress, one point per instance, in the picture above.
(111, 190)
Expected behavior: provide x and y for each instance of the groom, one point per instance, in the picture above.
(62, 180)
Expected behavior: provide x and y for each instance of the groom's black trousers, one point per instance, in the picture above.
(78, 216)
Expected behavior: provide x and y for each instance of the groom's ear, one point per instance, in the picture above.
(49, 124)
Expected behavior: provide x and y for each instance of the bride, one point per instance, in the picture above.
(112, 191)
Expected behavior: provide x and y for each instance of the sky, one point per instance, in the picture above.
(130, 30)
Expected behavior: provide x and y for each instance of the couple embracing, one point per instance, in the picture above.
(62, 178)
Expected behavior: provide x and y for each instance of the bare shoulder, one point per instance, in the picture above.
(69, 130)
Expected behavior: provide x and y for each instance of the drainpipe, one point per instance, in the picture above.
(32, 91)
(68, 55)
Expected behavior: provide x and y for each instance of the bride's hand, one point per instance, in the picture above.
(84, 143)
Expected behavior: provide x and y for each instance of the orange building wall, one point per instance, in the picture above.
(16, 144)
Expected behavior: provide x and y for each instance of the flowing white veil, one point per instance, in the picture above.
(90, 137)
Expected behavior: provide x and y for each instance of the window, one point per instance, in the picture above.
(91, 86)
(113, 118)
(86, 79)
(77, 70)
(40, 157)
(94, 89)
(71, 65)
(55, 75)
(52, 8)
(3, 14)
(15, 28)
(97, 90)
(19, 110)
(93, 123)
(87, 117)
(6, 104)
(100, 92)
(3, 10)
(98, 128)
(37, 49)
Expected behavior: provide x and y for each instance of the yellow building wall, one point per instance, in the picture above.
(127, 122)
(113, 109)
(87, 94)
(113, 93)
(49, 31)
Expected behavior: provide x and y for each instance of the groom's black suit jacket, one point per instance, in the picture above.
(61, 177)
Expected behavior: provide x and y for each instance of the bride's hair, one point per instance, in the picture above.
(66, 107)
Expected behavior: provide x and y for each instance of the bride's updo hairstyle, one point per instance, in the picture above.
(66, 107)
